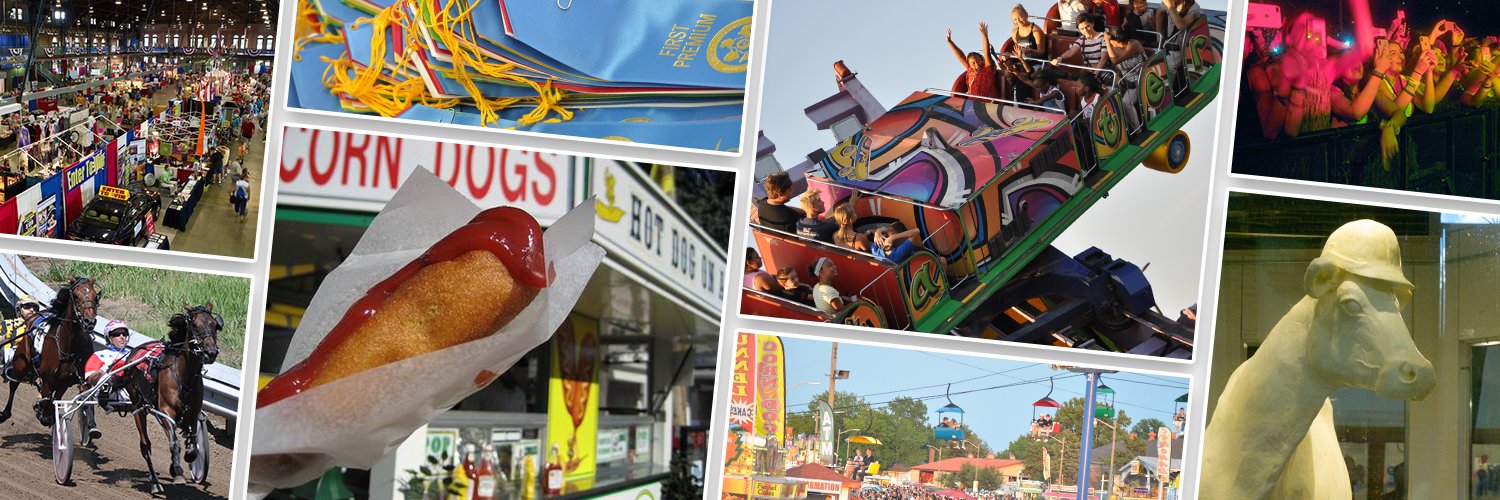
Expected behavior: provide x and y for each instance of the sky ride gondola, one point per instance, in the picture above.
(1104, 402)
(1044, 414)
(1179, 413)
(866, 438)
(949, 429)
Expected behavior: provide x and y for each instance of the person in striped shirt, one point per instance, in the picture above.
(1090, 43)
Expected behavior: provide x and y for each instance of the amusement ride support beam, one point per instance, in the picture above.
(1087, 442)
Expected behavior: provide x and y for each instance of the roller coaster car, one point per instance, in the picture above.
(859, 313)
(988, 183)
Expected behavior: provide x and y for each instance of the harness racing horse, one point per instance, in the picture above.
(66, 346)
(1272, 433)
(170, 388)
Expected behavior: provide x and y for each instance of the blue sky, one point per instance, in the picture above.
(997, 415)
(899, 47)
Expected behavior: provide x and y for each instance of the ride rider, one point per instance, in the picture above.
(29, 318)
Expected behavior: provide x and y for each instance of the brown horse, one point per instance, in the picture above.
(170, 387)
(66, 346)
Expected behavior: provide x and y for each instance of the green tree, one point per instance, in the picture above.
(801, 423)
(707, 196)
(1028, 450)
(850, 412)
(1062, 447)
(1147, 426)
(989, 478)
(1128, 444)
(903, 426)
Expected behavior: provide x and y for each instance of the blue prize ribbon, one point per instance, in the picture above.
(307, 77)
(703, 43)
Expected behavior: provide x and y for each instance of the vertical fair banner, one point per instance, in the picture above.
(573, 401)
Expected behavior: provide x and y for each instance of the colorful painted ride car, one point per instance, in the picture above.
(988, 183)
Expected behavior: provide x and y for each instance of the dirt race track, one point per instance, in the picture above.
(111, 468)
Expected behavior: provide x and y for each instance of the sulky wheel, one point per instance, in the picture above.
(198, 468)
(1172, 156)
(62, 448)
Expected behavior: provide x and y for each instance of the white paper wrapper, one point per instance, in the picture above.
(357, 420)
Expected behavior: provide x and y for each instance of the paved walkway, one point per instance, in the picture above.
(215, 228)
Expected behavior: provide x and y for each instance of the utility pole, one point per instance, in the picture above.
(1113, 434)
(833, 372)
(1062, 458)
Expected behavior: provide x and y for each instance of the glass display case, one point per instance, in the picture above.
(1444, 445)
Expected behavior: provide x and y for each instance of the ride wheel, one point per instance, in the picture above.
(198, 469)
(62, 447)
(1172, 156)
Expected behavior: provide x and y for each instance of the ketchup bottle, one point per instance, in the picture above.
(554, 474)
(484, 475)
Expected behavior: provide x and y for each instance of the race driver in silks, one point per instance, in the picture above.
(19, 328)
(101, 364)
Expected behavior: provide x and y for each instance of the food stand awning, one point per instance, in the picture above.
(821, 479)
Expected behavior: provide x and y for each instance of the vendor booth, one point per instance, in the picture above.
(58, 194)
(613, 401)
(183, 203)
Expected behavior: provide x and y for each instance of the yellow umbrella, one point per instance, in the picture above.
(864, 440)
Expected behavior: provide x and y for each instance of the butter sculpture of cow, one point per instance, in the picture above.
(1272, 434)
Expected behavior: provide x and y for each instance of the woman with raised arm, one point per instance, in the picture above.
(1437, 83)
(979, 71)
(1398, 92)
(1357, 90)
(1306, 72)
(1484, 75)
